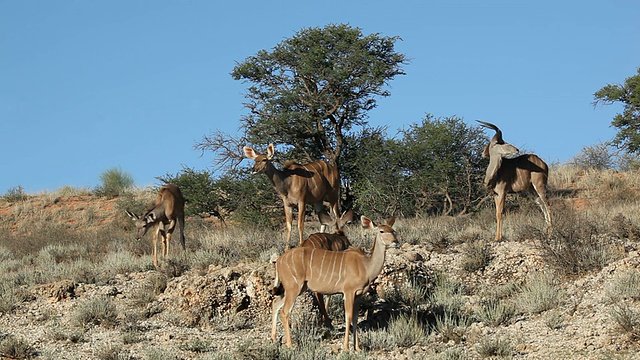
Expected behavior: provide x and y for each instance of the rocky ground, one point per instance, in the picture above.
(222, 310)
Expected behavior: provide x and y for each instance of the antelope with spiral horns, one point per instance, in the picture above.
(512, 172)
(299, 185)
(167, 212)
(349, 272)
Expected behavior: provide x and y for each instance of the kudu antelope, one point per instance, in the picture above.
(168, 210)
(299, 185)
(349, 272)
(512, 172)
(337, 241)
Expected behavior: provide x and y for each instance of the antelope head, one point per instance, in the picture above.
(262, 161)
(142, 223)
(497, 146)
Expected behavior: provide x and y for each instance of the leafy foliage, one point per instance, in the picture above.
(312, 89)
(434, 168)
(114, 182)
(628, 122)
(198, 189)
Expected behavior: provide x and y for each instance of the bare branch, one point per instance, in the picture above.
(227, 149)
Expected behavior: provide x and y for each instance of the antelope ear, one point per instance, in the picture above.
(270, 151)
(132, 215)
(366, 222)
(249, 153)
(391, 220)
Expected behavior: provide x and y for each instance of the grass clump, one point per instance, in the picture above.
(495, 312)
(97, 311)
(404, 330)
(624, 286)
(476, 255)
(627, 319)
(114, 182)
(12, 347)
(539, 294)
(578, 244)
(494, 347)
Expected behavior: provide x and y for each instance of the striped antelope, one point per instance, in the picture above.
(349, 272)
(337, 241)
(299, 185)
(512, 172)
(168, 210)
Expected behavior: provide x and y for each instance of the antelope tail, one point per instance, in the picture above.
(278, 289)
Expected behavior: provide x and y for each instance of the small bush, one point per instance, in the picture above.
(96, 311)
(624, 286)
(114, 182)
(406, 331)
(447, 296)
(491, 347)
(539, 294)
(476, 256)
(577, 244)
(15, 194)
(13, 347)
(495, 312)
(196, 345)
(451, 327)
(554, 320)
(627, 319)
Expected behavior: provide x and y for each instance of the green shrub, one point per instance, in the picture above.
(114, 182)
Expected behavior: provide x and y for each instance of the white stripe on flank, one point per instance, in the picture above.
(340, 272)
(311, 267)
(322, 263)
(292, 271)
(333, 269)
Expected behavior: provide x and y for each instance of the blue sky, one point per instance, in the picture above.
(87, 86)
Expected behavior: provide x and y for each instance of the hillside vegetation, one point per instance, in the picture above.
(74, 283)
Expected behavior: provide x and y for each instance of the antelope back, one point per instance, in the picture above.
(333, 242)
(520, 173)
(315, 180)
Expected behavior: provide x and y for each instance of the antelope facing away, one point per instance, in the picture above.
(349, 272)
(299, 185)
(512, 172)
(337, 241)
(168, 210)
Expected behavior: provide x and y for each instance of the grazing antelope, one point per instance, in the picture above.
(349, 272)
(512, 172)
(168, 210)
(299, 185)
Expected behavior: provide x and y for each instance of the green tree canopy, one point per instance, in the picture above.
(434, 167)
(628, 123)
(310, 90)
